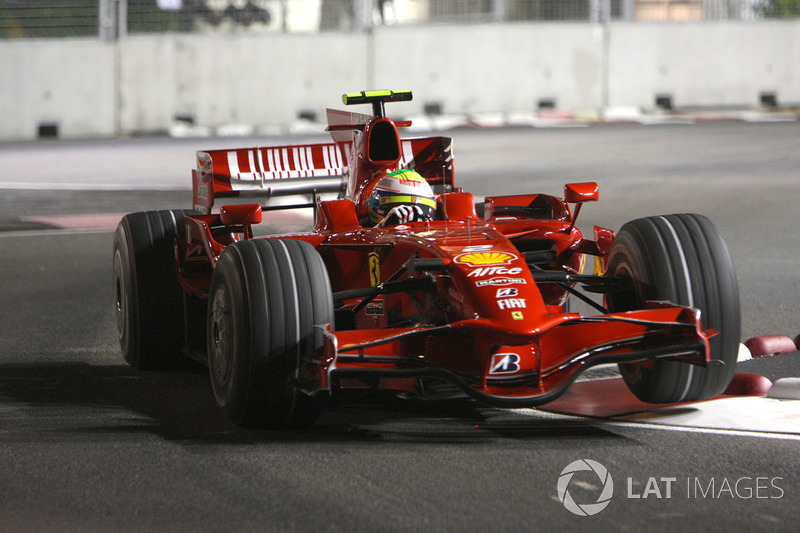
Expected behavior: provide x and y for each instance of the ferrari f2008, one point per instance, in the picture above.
(406, 283)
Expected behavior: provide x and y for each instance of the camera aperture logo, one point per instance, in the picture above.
(584, 475)
(585, 509)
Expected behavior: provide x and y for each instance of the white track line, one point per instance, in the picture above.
(51, 232)
(745, 416)
(41, 186)
(710, 431)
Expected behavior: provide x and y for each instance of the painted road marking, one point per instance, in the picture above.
(709, 431)
(72, 186)
(26, 233)
(99, 221)
(61, 224)
(750, 414)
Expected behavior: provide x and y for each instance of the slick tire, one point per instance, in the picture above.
(681, 259)
(148, 299)
(268, 302)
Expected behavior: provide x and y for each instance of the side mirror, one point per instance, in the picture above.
(243, 215)
(575, 193)
(240, 214)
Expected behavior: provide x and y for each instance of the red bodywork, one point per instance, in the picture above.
(477, 302)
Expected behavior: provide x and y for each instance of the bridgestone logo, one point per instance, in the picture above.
(504, 363)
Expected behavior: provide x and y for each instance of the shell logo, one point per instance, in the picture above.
(485, 258)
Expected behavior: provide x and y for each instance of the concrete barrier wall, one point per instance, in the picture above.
(67, 83)
(140, 85)
(710, 64)
(489, 68)
(264, 81)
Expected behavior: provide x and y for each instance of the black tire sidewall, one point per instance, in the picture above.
(153, 327)
(683, 260)
(124, 272)
(278, 289)
(639, 253)
(231, 384)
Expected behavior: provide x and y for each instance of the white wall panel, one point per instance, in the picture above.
(67, 83)
(141, 83)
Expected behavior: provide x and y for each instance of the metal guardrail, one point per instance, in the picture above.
(111, 19)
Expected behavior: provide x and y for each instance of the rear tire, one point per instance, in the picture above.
(267, 299)
(681, 259)
(149, 300)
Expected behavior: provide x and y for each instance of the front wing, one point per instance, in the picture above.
(503, 370)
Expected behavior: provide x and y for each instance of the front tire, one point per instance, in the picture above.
(149, 300)
(268, 302)
(680, 259)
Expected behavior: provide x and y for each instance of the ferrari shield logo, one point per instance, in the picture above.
(374, 269)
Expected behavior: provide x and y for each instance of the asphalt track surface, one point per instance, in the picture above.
(88, 444)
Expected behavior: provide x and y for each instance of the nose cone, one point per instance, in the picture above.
(497, 279)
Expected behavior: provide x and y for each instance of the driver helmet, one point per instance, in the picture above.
(401, 188)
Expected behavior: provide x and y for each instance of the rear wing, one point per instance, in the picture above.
(284, 177)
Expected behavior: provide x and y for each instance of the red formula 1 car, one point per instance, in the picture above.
(473, 298)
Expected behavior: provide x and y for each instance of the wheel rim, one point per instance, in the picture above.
(221, 357)
(627, 300)
(121, 297)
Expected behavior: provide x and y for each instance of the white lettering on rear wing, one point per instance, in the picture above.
(301, 170)
(282, 162)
